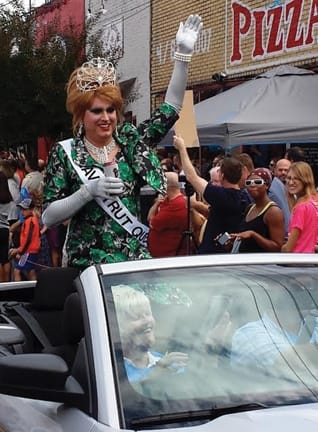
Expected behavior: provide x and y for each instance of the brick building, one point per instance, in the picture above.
(239, 38)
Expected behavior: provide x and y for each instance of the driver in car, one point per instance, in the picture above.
(281, 326)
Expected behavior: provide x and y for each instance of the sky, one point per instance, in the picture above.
(33, 2)
(25, 2)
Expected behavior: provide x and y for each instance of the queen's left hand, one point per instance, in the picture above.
(187, 34)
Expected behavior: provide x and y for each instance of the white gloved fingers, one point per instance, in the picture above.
(179, 32)
(113, 180)
(105, 186)
(194, 22)
(113, 186)
(188, 33)
(189, 21)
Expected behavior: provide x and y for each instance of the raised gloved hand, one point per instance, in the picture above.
(186, 38)
(187, 34)
(105, 187)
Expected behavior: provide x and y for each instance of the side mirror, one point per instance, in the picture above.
(39, 376)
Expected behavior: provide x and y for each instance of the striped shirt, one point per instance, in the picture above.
(259, 343)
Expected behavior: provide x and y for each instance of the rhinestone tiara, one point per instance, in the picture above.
(95, 73)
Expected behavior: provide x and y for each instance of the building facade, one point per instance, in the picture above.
(67, 18)
(240, 39)
(126, 28)
(61, 13)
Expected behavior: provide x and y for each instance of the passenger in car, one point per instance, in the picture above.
(281, 326)
(136, 326)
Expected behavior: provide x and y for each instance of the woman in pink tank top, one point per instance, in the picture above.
(303, 202)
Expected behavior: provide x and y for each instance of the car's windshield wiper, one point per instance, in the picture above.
(207, 414)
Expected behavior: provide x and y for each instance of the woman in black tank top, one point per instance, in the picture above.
(262, 229)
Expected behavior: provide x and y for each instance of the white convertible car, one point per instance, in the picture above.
(214, 343)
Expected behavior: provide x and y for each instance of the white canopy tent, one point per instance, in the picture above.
(277, 106)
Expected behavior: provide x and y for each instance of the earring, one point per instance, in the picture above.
(81, 130)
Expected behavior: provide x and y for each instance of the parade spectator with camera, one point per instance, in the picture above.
(228, 202)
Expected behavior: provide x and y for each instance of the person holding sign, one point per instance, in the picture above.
(94, 179)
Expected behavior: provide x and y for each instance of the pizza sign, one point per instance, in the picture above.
(278, 28)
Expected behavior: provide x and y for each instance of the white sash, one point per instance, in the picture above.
(112, 206)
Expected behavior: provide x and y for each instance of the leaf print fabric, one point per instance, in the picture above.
(93, 236)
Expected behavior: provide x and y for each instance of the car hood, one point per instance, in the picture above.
(294, 418)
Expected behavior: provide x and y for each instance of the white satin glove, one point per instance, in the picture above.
(186, 38)
(105, 187)
(65, 208)
(187, 34)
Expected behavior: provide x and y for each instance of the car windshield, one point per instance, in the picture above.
(191, 344)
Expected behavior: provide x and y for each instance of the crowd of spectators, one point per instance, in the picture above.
(26, 245)
(261, 206)
(267, 208)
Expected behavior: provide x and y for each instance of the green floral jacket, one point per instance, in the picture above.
(93, 236)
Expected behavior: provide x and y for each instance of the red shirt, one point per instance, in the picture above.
(167, 228)
(30, 236)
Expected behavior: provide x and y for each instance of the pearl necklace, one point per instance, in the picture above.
(100, 153)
